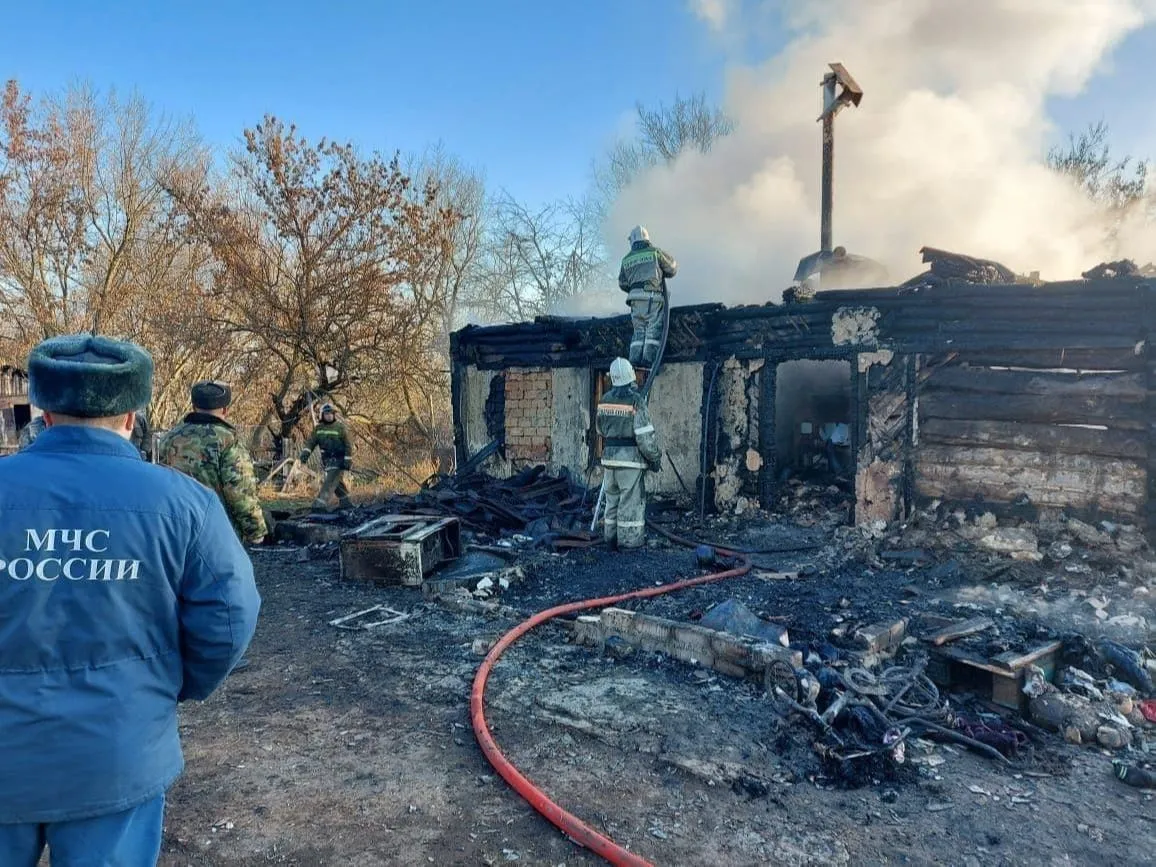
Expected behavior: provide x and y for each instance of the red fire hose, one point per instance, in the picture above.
(569, 824)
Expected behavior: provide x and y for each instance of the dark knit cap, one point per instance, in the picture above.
(89, 377)
(211, 395)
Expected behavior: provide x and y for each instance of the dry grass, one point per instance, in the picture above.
(366, 485)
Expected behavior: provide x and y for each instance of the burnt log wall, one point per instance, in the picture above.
(1017, 397)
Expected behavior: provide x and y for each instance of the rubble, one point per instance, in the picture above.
(990, 676)
(734, 617)
(1017, 542)
(1121, 268)
(946, 266)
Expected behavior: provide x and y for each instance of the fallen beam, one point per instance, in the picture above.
(734, 655)
(960, 630)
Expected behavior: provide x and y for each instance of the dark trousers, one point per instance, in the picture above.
(334, 484)
(128, 839)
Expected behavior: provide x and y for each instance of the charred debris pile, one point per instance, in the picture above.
(530, 508)
(872, 644)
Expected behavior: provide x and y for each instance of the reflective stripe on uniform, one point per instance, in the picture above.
(616, 409)
(638, 431)
(630, 523)
(611, 463)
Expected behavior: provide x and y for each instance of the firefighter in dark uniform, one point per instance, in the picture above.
(331, 437)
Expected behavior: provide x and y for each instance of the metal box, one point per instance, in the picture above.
(399, 549)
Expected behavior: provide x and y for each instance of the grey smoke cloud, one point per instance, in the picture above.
(946, 149)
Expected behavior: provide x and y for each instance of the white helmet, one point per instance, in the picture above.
(621, 372)
(639, 233)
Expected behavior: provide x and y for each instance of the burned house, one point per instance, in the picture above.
(1009, 398)
(15, 411)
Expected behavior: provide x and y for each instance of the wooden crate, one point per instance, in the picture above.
(1001, 678)
(399, 549)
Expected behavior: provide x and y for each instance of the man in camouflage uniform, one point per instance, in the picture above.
(331, 437)
(208, 448)
(629, 449)
(643, 275)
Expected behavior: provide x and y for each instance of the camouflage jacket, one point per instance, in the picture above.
(333, 440)
(209, 449)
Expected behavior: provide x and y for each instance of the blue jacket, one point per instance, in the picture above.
(123, 591)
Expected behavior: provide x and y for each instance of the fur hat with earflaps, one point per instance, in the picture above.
(89, 377)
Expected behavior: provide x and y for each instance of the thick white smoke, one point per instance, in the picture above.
(946, 149)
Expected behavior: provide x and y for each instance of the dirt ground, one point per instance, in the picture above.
(354, 747)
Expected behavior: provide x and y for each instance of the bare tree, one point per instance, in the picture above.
(441, 292)
(46, 166)
(662, 134)
(87, 236)
(316, 247)
(535, 260)
(449, 279)
(1116, 184)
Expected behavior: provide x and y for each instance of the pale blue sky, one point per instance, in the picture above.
(528, 91)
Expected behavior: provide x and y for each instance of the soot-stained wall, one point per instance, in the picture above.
(1004, 397)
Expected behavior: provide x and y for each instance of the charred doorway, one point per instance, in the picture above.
(814, 431)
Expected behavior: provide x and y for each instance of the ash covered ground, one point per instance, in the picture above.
(354, 746)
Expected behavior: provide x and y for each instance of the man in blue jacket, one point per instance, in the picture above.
(123, 591)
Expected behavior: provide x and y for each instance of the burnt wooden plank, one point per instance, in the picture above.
(1127, 386)
(457, 398)
(709, 410)
(910, 386)
(768, 448)
(1122, 330)
(915, 340)
(1078, 359)
(1014, 660)
(985, 494)
(1111, 412)
(962, 629)
(1047, 480)
(1040, 438)
(993, 316)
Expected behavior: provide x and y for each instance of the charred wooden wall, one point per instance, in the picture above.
(15, 411)
(1014, 397)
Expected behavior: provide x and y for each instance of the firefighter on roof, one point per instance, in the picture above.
(643, 275)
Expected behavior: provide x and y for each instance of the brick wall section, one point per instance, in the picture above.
(529, 414)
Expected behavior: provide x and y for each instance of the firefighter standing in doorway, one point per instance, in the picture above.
(643, 275)
(629, 449)
(331, 437)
